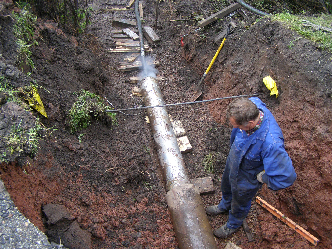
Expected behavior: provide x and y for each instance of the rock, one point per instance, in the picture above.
(76, 238)
(61, 227)
(56, 213)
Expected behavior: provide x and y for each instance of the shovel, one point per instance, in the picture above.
(198, 89)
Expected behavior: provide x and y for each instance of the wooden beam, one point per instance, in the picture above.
(288, 221)
(219, 14)
(131, 34)
(136, 79)
(140, 7)
(124, 22)
(150, 34)
(127, 43)
(130, 4)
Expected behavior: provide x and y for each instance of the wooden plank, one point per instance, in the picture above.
(178, 129)
(134, 66)
(130, 4)
(219, 14)
(131, 58)
(113, 9)
(184, 144)
(124, 22)
(120, 36)
(288, 221)
(136, 79)
(131, 34)
(124, 50)
(127, 43)
(140, 7)
(117, 31)
(150, 35)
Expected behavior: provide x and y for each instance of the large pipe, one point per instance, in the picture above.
(169, 153)
(252, 9)
(191, 225)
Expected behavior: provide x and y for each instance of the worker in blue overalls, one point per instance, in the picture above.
(257, 156)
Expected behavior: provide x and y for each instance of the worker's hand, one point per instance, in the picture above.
(260, 176)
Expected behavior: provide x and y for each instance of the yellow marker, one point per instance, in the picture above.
(271, 85)
(35, 102)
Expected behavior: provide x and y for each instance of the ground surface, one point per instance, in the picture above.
(109, 178)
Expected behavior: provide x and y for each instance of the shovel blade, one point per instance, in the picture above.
(196, 96)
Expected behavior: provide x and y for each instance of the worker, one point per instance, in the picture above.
(257, 156)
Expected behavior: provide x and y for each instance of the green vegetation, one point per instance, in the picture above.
(9, 91)
(24, 27)
(209, 162)
(70, 15)
(87, 107)
(310, 27)
(23, 140)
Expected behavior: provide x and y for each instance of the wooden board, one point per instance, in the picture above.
(150, 35)
(124, 22)
(288, 221)
(219, 14)
(130, 4)
(131, 34)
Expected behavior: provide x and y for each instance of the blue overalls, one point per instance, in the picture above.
(249, 155)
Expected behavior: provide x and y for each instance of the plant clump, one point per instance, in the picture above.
(89, 106)
(24, 29)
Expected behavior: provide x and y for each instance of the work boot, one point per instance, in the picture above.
(214, 210)
(223, 232)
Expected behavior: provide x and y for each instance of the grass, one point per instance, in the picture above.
(209, 162)
(87, 107)
(321, 38)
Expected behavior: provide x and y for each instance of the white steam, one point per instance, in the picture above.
(147, 68)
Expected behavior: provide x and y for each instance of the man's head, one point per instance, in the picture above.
(243, 114)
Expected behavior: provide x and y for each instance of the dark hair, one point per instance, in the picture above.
(243, 111)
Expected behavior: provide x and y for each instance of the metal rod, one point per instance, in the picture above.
(183, 103)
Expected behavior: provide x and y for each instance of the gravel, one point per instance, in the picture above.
(16, 231)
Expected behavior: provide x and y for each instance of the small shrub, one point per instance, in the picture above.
(87, 107)
(209, 162)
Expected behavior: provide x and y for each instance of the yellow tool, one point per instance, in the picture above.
(34, 100)
(271, 85)
(198, 90)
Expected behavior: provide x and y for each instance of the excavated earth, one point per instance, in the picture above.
(108, 176)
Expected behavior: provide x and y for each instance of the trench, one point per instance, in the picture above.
(188, 215)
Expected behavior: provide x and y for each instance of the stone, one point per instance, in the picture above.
(184, 144)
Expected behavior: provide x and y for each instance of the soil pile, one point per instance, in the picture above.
(108, 177)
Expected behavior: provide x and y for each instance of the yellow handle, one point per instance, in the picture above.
(215, 56)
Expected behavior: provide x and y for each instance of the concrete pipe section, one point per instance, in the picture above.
(190, 222)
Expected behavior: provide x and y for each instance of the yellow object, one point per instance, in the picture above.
(271, 85)
(35, 102)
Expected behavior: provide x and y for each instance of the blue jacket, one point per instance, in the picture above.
(263, 150)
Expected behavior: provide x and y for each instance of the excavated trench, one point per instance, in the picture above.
(108, 180)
